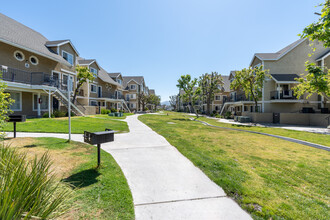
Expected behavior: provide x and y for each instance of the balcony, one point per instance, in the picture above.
(239, 98)
(110, 95)
(283, 95)
(30, 78)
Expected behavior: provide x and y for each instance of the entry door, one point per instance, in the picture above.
(55, 104)
(276, 118)
(99, 91)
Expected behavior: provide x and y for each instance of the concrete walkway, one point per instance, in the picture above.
(164, 184)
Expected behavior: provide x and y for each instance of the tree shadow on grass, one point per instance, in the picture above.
(83, 178)
(180, 119)
(30, 146)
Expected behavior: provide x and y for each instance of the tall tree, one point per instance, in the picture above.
(154, 100)
(320, 30)
(316, 81)
(174, 101)
(5, 102)
(251, 82)
(142, 100)
(83, 75)
(210, 84)
(187, 84)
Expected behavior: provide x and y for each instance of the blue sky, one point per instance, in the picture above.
(163, 39)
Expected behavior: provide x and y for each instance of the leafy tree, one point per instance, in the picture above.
(83, 75)
(316, 81)
(154, 100)
(320, 30)
(142, 100)
(187, 84)
(210, 84)
(251, 82)
(174, 101)
(5, 102)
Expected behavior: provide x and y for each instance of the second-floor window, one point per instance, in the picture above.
(93, 88)
(67, 56)
(94, 71)
(119, 81)
(217, 97)
(133, 87)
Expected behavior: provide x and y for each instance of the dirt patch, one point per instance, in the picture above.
(63, 160)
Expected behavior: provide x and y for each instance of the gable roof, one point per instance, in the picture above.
(226, 83)
(279, 54)
(114, 75)
(324, 55)
(138, 79)
(21, 36)
(56, 43)
(152, 92)
(103, 75)
(87, 62)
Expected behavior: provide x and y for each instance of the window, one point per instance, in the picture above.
(93, 88)
(19, 55)
(34, 60)
(245, 108)
(251, 108)
(119, 81)
(94, 71)
(17, 97)
(133, 96)
(65, 79)
(93, 103)
(67, 56)
(217, 97)
(43, 104)
(133, 87)
(132, 105)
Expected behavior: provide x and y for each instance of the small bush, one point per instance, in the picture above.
(228, 115)
(113, 110)
(217, 116)
(146, 109)
(72, 114)
(59, 114)
(105, 111)
(46, 115)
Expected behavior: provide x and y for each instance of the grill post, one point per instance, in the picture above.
(98, 155)
(14, 129)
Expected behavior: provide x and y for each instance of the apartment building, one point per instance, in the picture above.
(36, 70)
(103, 92)
(133, 86)
(278, 101)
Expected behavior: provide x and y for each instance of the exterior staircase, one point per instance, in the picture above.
(125, 105)
(63, 98)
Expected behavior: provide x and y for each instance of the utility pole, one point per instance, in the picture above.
(69, 105)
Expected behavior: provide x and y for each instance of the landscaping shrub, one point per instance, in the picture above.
(72, 114)
(59, 114)
(228, 115)
(146, 109)
(46, 115)
(113, 110)
(28, 189)
(105, 111)
(217, 116)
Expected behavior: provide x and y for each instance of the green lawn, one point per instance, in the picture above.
(113, 117)
(97, 193)
(322, 139)
(268, 177)
(78, 125)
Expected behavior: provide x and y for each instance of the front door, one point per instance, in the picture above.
(99, 92)
(276, 118)
(55, 104)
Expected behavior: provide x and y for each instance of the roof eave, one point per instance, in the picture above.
(34, 51)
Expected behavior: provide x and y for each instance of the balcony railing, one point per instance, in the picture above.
(239, 98)
(286, 94)
(31, 78)
(110, 95)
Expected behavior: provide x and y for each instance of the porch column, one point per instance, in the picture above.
(242, 107)
(49, 109)
(322, 102)
(39, 113)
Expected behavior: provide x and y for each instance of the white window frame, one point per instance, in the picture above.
(18, 51)
(96, 72)
(219, 98)
(35, 59)
(91, 88)
(63, 51)
(62, 77)
(41, 109)
(130, 87)
(119, 81)
(90, 102)
(20, 96)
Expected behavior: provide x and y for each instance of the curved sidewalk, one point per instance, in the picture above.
(164, 184)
